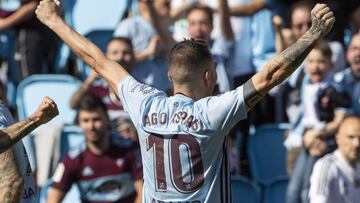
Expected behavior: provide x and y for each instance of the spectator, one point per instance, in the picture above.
(35, 45)
(336, 177)
(119, 49)
(119, 176)
(151, 60)
(17, 183)
(315, 131)
(348, 80)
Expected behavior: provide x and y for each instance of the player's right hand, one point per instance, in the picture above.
(47, 11)
(322, 20)
(46, 111)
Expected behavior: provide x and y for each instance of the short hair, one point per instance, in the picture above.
(89, 102)
(203, 8)
(304, 4)
(187, 59)
(324, 48)
(122, 39)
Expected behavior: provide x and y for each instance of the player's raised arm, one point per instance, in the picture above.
(280, 67)
(48, 13)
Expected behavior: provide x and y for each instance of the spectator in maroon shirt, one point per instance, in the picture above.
(119, 49)
(106, 168)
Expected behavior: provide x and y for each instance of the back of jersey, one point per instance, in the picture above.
(182, 142)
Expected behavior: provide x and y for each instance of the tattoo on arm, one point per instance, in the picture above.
(11, 182)
(16, 132)
(251, 96)
(280, 67)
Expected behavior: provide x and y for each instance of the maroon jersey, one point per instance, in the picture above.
(100, 88)
(106, 178)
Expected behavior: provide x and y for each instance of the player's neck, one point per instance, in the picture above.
(194, 93)
(100, 147)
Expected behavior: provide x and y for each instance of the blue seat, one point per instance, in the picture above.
(267, 154)
(244, 191)
(73, 195)
(71, 136)
(275, 192)
(30, 93)
(60, 88)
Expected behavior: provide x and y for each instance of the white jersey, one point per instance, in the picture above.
(23, 163)
(182, 141)
(334, 180)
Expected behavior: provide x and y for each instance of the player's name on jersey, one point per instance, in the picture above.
(180, 117)
(160, 201)
(28, 193)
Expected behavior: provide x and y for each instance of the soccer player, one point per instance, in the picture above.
(336, 177)
(16, 181)
(182, 137)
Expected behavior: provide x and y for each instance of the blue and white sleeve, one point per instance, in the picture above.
(224, 111)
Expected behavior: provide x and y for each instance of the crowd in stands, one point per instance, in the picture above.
(242, 36)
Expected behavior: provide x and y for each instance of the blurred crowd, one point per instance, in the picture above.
(242, 36)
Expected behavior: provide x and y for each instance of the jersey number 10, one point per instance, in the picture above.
(192, 155)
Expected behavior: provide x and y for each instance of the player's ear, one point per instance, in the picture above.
(169, 76)
(207, 77)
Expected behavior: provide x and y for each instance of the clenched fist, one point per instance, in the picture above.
(47, 11)
(322, 20)
(46, 111)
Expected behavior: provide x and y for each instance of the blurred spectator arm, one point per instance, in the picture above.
(181, 11)
(150, 51)
(310, 139)
(331, 127)
(25, 12)
(279, 37)
(55, 195)
(283, 36)
(138, 184)
(225, 24)
(248, 9)
(84, 88)
(160, 26)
